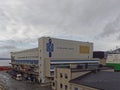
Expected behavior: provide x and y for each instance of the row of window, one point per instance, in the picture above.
(26, 61)
(59, 65)
(65, 86)
(65, 75)
(28, 57)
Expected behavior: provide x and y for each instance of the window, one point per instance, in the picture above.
(52, 66)
(80, 66)
(61, 75)
(66, 76)
(86, 65)
(66, 87)
(53, 84)
(61, 86)
(52, 73)
(75, 88)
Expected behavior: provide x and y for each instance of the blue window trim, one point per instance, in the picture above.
(73, 61)
(26, 61)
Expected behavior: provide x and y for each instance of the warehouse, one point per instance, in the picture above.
(52, 52)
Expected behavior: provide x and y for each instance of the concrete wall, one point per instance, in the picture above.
(41, 60)
(102, 62)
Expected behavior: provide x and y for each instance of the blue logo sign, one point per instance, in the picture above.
(50, 47)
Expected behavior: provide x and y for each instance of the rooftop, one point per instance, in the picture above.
(100, 80)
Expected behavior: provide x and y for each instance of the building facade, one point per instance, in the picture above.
(52, 52)
(62, 77)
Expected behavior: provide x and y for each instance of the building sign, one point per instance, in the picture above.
(50, 47)
(64, 48)
(84, 49)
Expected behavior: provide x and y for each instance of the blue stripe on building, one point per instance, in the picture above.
(26, 61)
(73, 61)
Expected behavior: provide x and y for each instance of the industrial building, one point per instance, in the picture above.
(39, 63)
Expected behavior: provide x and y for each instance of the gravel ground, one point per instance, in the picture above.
(12, 84)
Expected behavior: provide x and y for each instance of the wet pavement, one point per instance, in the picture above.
(12, 84)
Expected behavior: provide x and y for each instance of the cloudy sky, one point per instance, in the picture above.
(22, 22)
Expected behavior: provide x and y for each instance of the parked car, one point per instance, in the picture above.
(18, 77)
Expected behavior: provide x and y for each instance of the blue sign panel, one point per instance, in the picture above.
(50, 47)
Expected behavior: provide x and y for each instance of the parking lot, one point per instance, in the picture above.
(12, 84)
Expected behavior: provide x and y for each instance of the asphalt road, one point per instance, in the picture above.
(12, 84)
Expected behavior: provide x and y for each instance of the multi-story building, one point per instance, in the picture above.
(52, 52)
(63, 75)
(72, 78)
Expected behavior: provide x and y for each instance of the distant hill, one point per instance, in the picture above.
(5, 58)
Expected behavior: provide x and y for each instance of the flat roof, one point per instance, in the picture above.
(103, 80)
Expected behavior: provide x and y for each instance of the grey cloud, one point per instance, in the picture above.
(67, 16)
(111, 28)
(5, 54)
(7, 47)
(13, 45)
(23, 21)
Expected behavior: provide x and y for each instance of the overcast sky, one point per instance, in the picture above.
(22, 22)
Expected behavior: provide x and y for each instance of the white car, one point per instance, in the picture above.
(18, 77)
